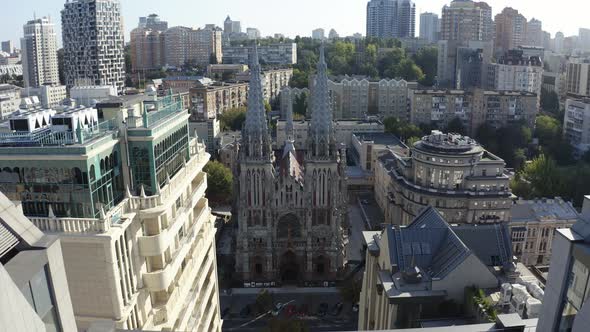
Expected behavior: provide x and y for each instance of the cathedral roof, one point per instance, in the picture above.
(289, 165)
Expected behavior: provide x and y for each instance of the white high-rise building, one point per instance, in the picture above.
(39, 53)
(93, 43)
(429, 27)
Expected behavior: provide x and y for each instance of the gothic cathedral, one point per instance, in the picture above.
(291, 205)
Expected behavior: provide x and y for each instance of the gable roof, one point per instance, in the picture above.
(430, 243)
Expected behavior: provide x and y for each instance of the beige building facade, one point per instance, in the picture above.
(473, 108)
(210, 101)
(533, 224)
(136, 230)
(453, 173)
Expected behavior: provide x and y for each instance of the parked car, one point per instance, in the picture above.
(246, 311)
(323, 309)
(336, 309)
(355, 308)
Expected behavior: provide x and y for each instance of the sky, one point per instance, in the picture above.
(292, 18)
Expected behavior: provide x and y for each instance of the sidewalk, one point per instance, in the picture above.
(285, 290)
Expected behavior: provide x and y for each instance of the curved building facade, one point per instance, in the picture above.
(451, 172)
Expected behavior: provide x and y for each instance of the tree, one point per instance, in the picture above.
(549, 101)
(267, 106)
(547, 129)
(456, 126)
(300, 104)
(299, 79)
(401, 129)
(408, 70)
(427, 59)
(219, 182)
(544, 176)
(233, 119)
(519, 159)
(264, 301)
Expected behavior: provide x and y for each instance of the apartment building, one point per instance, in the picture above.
(210, 101)
(343, 131)
(147, 49)
(93, 43)
(124, 191)
(50, 95)
(9, 99)
(391, 19)
(280, 54)
(473, 108)
(576, 124)
(274, 80)
(413, 270)
(533, 224)
(451, 172)
(429, 27)
(515, 72)
(354, 98)
(503, 108)
(578, 77)
(35, 294)
(511, 27)
(39, 53)
(183, 45)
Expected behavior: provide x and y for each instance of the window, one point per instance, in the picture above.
(576, 293)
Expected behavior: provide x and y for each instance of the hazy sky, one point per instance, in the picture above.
(293, 17)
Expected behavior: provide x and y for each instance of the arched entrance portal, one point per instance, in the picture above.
(289, 268)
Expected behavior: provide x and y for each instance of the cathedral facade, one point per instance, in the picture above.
(290, 205)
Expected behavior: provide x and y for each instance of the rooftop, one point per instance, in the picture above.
(437, 141)
(378, 138)
(543, 210)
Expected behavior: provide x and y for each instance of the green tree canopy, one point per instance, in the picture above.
(233, 119)
(427, 59)
(219, 182)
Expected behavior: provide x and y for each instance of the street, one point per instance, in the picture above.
(307, 299)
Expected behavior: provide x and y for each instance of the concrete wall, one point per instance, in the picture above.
(556, 282)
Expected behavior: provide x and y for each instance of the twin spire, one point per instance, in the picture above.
(255, 131)
(255, 134)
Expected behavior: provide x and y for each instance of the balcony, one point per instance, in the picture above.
(161, 279)
(156, 245)
(185, 291)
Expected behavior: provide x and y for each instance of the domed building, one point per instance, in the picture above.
(451, 172)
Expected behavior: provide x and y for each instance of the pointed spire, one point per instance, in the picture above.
(289, 131)
(103, 215)
(320, 131)
(142, 192)
(255, 132)
(127, 191)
